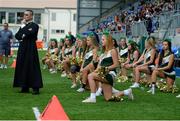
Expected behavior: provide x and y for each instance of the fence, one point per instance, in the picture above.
(169, 22)
(139, 29)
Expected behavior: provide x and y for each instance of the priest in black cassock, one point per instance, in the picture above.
(27, 72)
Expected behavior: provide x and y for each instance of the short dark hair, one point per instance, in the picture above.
(6, 23)
(31, 11)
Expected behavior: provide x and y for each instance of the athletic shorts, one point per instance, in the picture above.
(5, 50)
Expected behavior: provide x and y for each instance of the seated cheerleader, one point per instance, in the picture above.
(60, 59)
(115, 44)
(61, 45)
(164, 68)
(133, 56)
(123, 50)
(77, 61)
(67, 53)
(105, 72)
(148, 58)
(54, 57)
(90, 59)
(51, 55)
(47, 56)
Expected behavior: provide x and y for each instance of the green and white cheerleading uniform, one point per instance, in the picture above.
(147, 57)
(60, 55)
(123, 52)
(68, 51)
(79, 51)
(131, 57)
(52, 51)
(106, 61)
(88, 58)
(165, 61)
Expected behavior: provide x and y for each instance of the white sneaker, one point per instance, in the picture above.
(153, 90)
(89, 100)
(53, 72)
(81, 89)
(98, 93)
(5, 66)
(63, 75)
(135, 85)
(115, 90)
(2, 66)
(130, 95)
(73, 86)
(50, 69)
(178, 96)
(149, 91)
(44, 67)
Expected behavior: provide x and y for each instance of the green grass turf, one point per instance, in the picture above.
(16, 106)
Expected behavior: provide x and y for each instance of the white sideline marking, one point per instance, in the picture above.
(36, 113)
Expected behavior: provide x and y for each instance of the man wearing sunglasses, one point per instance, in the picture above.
(27, 72)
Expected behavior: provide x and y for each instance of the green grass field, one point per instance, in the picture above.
(16, 106)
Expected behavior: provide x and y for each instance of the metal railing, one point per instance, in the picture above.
(168, 22)
(139, 29)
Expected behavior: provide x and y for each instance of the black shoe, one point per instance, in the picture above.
(35, 92)
(24, 90)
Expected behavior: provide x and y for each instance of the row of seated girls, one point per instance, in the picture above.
(153, 63)
(95, 63)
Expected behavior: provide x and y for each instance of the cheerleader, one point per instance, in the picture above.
(67, 53)
(164, 67)
(123, 49)
(90, 59)
(60, 59)
(61, 45)
(77, 61)
(50, 55)
(108, 64)
(54, 57)
(145, 62)
(133, 56)
(115, 44)
(99, 90)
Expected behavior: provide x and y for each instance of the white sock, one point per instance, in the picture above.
(126, 92)
(153, 88)
(93, 96)
(99, 89)
(136, 83)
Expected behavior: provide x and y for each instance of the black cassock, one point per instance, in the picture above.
(27, 71)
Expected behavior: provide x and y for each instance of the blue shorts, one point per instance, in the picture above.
(5, 50)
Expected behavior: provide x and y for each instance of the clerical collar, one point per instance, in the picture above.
(29, 22)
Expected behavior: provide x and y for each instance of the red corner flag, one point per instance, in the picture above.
(54, 111)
